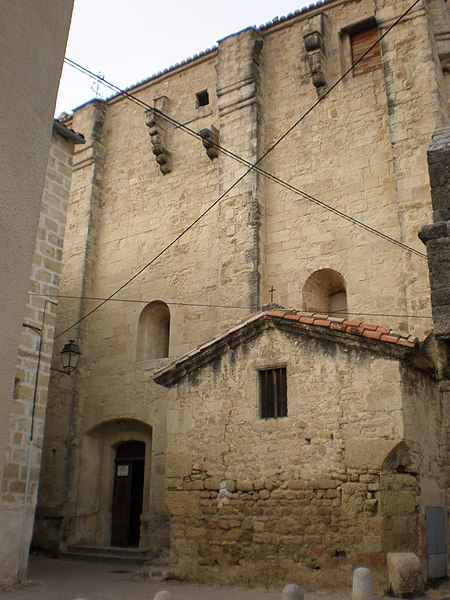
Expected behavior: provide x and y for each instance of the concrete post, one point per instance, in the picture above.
(362, 584)
(292, 592)
(163, 595)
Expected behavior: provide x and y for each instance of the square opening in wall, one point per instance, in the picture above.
(202, 98)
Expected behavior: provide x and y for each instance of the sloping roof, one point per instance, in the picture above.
(376, 337)
(265, 26)
(67, 133)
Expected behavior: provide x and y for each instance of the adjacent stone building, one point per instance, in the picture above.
(129, 463)
(25, 420)
(300, 445)
(27, 99)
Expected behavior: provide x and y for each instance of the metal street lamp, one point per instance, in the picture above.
(69, 356)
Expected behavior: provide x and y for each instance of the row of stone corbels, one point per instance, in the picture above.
(314, 40)
(157, 125)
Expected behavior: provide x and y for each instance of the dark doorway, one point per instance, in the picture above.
(127, 496)
(435, 518)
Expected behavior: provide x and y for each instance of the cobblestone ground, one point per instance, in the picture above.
(66, 580)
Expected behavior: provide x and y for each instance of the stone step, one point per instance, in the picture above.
(107, 554)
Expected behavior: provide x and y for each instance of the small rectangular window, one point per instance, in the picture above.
(360, 42)
(202, 98)
(273, 393)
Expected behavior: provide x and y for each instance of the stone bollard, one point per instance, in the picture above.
(362, 584)
(292, 592)
(163, 595)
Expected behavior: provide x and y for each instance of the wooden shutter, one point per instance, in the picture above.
(360, 43)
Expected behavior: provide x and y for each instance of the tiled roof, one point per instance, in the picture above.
(263, 27)
(380, 338)
(67, 133)
(380, 333)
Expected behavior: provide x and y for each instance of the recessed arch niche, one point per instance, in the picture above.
(153, 331)
(325, 291)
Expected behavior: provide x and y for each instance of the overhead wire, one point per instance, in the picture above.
(251, 166)
(254, 166)
(231, 306)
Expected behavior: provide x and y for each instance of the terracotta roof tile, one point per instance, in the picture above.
(383, 329)
(403, 342)
(292, 317)
(307, 320)
(379, 333)
(373, 335)
(352, 323)
(337, 326)
(257, 322)
(323, 322)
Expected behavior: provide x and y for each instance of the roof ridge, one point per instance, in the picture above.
(380, 333)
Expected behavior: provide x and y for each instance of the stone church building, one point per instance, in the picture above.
(257, 443)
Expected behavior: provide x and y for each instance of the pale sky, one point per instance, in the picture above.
(130, 40)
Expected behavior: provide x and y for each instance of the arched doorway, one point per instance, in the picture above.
(128, 493)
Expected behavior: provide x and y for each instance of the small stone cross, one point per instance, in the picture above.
(271, 291)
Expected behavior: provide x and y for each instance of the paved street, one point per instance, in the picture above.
(66, 580)
(52, 579)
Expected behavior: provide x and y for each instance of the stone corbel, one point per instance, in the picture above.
(157, 131)
(314, 40)
(210, 140)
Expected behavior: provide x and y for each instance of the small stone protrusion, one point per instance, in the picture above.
(314, 40)
(210, 140)
(157, 131)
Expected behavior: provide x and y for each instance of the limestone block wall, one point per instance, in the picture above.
(437, 240)
(26, 420)
(306, 497)
(41, 34)
(362, 150)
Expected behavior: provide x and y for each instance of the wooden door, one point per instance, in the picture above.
(127, 496)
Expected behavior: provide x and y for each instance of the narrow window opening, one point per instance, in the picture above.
(202, 98)
(273, 393)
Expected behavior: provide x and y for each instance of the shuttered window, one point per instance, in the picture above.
(360, 43)
(273, 393)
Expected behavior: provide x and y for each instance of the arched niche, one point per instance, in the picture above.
(153, 331)
(325, 291)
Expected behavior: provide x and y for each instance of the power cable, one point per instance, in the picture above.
(258, 169)
(231, 306)
(254, 166)
(251, 167)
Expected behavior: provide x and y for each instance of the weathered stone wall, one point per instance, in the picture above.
(26, 420)
(437, 240)
(363, 150)
(25, 124)
(306, 497)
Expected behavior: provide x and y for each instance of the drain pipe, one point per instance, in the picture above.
(23, 563)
